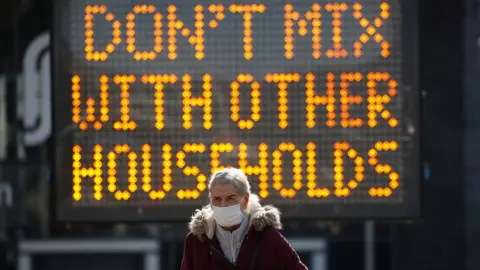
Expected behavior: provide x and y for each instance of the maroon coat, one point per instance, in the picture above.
(203, 252)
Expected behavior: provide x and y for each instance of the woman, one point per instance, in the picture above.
(235, 232)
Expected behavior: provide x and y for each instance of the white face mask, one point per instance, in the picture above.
(228, 216)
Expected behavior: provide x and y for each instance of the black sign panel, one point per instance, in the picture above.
(315, 100)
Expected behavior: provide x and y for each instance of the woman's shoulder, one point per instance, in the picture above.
(270, 231)
(193, 239)
(274, 236)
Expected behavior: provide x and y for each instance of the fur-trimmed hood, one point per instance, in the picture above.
(202, 222)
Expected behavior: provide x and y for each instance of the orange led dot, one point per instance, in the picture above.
(181, 194)
(394, 184)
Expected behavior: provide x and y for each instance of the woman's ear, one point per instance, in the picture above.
(246, 199)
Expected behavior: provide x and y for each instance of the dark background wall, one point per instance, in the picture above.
(34, 16)
(436, 241)
(472, 136)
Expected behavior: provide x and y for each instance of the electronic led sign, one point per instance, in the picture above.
(316, 101)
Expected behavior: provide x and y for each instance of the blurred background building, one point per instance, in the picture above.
(446, 237)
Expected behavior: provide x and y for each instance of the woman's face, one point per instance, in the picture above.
(223, 195)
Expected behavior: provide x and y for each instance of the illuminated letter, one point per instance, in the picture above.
(159, 81)
(205, 101)
(282, 79)
(313, 16)
(383, 169)
(247, 11)
(125, 122)
(157, 33)
(261, 169)
(80, 172)
(76, 118)
(196, 39)
(147, 171)
(338, 51)
(132, 172)
(346, 100)
(235, 101)
(340, 149)
(90, 103)
(90, 12)
(376, 101)
(216, 149)
(219, 15)
(278, 169)
(371, 30)
(313, 100)
(191, 171)
(313, 190)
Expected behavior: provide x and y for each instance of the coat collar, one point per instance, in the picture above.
(202, 221)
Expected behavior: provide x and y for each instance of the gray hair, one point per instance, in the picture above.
(233, 176)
